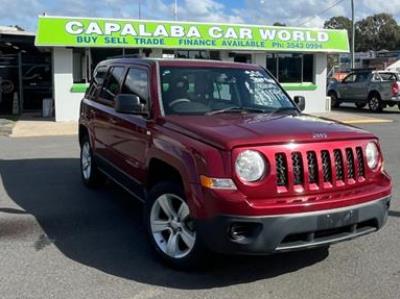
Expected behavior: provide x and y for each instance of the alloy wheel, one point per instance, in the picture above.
(171, 226)
(374, 103)
(86, 160)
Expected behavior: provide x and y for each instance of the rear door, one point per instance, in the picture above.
(103, 111)
(130, 131)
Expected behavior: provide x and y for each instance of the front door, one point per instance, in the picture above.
(130, 132)
(346, 88)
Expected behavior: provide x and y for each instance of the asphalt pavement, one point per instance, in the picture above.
(61, 240)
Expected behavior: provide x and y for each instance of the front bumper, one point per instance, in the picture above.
(265, 235)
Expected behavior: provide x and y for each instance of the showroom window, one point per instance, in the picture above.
(291, 68)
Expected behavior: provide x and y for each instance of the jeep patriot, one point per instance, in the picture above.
(225, 161)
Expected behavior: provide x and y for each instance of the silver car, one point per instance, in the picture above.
(378, 89)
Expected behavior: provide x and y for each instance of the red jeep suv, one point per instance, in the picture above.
(225, 161)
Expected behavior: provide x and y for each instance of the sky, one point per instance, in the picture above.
(305, 13)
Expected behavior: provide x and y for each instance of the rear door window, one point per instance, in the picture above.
(112, 83)
(97, 81)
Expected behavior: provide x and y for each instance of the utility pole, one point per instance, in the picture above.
(176, 10)
(353, 33)
(140, 8)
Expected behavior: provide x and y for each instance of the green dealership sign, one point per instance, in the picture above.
(90, 32)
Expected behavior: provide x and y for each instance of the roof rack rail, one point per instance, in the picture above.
(127, 56)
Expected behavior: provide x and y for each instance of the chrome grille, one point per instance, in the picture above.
(312, 167)
(326, 166)
(281, 169)
(322, 167)
(360, 161)
(338, 164)
(350, 163)
(297, 168)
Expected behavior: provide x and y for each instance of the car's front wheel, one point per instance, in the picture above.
(170, 227)
(90, 174)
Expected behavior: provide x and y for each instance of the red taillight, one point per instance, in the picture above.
(395, 88)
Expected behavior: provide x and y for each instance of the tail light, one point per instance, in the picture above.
(395, 88)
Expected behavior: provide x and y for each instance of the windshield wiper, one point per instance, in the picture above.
(236, 109)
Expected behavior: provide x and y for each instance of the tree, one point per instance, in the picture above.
(279, 24)
(377, 32)
(339, 22)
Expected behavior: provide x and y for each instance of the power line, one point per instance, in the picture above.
(321, 12)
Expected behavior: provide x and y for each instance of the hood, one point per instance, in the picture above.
(231, 130)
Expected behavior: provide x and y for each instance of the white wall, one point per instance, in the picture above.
(66, 103)
(316, 99)
(259, 58)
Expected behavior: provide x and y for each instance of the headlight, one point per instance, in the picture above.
(250, 166)
(372, 154)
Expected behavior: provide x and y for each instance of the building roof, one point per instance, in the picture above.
(15, 30)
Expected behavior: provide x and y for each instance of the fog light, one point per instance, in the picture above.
(243, 231)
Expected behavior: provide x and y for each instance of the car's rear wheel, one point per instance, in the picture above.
(360, 105)
(375, 103)
(90, 174)
(170, 227)
(335, 103)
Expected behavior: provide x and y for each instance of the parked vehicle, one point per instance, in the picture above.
(378, 89)
(225, 161)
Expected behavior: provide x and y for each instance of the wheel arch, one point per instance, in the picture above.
(374, 92)
(159, 170)
(82, 132)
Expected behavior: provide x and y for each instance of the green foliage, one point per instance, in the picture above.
(377, 32)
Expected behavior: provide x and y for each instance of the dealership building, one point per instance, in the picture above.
(297, 57)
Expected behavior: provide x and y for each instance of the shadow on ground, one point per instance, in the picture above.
(103, 229)
(394, 213)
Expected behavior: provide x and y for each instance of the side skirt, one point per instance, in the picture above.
(121, 178)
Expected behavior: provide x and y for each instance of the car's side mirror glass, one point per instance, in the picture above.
(300, 102)
(130, 104)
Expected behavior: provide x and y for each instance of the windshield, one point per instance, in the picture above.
(220, 90)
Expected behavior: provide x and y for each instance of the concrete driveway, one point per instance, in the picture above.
(61, 240)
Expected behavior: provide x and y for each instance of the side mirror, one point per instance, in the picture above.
(300, 102)
(129, 103)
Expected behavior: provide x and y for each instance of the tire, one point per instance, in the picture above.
(168, 222)
(360, 105)
(375, 103)
(335, 103)
(91, 176)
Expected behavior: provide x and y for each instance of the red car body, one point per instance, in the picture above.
(275, 213)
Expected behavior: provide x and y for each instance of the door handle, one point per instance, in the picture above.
(113, 121)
